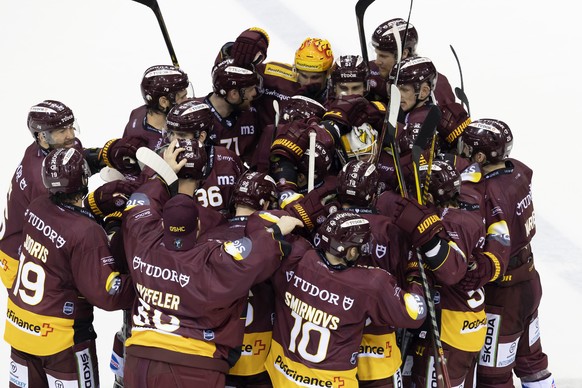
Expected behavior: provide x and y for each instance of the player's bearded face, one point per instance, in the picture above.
(61, 137)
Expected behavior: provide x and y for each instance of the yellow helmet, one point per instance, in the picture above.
(314, 55)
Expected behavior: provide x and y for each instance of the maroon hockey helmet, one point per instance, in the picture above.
(65, 170)
(301, 107)
(196, 159)
(349, 68)
(162, 80)
(445, 181)
(49, 115)
(341, 231)
(414, 71)
(190, 116)
(383, 38)
(227, 76)
(357, 183)
(407, 136)
(253, 189)
(490, 136)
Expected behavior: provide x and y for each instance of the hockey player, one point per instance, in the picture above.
(307, 75)
(235, 119)
(162, 87)
(61, 276)
(323, 300)
(454, 117)
(254, 192)
(194, 120)
(349, 75)
(52, 125)
(379, 359)
(461, 313)
(512, 284)
(187, 328)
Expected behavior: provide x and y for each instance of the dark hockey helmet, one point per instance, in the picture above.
(49, 115)
(357, 183)
(190, 116)
(300, 107)
(414, 71)
(227, 76)
(65, 170)
(445, 181)
(196, 159)
(349, 68)
(490, 136)
(383, 38)
(162, 80)
(340, 231)
(407, 136)
(253, 189)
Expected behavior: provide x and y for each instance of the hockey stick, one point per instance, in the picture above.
(460, 92)
(154, 161)
(426, 132)
(361, 7)
(154, 6)
(311, 166)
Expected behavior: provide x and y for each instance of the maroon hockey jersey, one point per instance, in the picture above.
(65, 269)
(238, 132)
(320, 317)
(137, 126)
(26, 185)
(259, 310)
(190, 303)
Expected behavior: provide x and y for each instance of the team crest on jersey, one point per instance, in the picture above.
(380, 250)
(289, 275)
(347, 303)
(68, 308)
(208, 334)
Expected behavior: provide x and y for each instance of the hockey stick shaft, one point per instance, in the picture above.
(428, 131)
(154, 6)
(460, 92)
(361, 7)
(311, 166)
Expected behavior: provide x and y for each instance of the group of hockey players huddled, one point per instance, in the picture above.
(278, 232)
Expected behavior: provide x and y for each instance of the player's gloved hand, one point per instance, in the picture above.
(291, 141)
(480, 272)
(315, 206)
(120, 154)
(453, 122)
(250, 48)
(287, 197)
(420, 222)
(348, 112)
(109, 198)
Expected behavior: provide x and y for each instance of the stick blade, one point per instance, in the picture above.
(157, 163)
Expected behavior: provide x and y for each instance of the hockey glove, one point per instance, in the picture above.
(348, 112)
(480, 272)
(420, 222)
(314, 208)
(292, 140)
(453, 122)
(120, 154)
(109, 198)
(250, 48)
